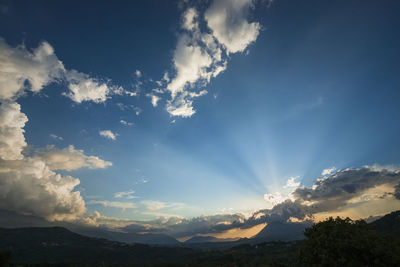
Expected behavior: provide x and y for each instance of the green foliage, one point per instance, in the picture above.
(343, 242)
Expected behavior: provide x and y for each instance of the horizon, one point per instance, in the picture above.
(198, 118)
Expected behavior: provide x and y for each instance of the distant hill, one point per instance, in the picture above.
(388, 224)
(210, 239)
(150, 239)
(282, 231)
(57, 244)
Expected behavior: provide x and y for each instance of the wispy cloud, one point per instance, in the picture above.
(108, 134)
(69, 159)
(113, 204)
(123, 122)
(126, 194)
(56, 137)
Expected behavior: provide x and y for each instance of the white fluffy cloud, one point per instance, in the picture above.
(12, 122)
(108, 134)
(18, 67)
(227, 21)
(200, 56)
(22, 70)
(29, 185)
(70, 159)
(154, 99)
(84, 88)
(328, 171)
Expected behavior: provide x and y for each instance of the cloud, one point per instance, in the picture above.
(125, 194)
(22, 70)
(275, 198)
(138, 73)
(336, 190)
(84, 88)
(328, 171)
(108, 134)
(183, 227)
(70, 159)
(153, 205)
(12, 122)
(123, 122)
(113, 204)
(292, 183)
(28, 184)
(54, 136)
(200, 56)
(333, 193)
(154, 99)
(227, 21)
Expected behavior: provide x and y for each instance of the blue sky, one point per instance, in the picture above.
(308, 86)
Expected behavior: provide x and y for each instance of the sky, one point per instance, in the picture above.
(228, 112)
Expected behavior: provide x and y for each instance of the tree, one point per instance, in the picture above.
(343, 242)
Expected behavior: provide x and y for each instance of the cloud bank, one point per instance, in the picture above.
(349, 187)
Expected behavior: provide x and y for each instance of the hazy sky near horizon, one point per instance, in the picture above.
(142, 109)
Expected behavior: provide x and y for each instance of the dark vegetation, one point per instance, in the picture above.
(333, 242)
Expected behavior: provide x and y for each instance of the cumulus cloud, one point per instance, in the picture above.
(28, 184)
(21, 69)
(154, 99)
(84, 88)
(334, 192)
(292, 183)
(70, 159)
(228, 23)
(12, 122)
(200, 55)
(328, 171)
(108, 134)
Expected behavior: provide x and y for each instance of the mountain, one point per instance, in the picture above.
(9, 219)
(208, 239)
(283, 231)
(388, 224)
(150, 239)
(57, 244)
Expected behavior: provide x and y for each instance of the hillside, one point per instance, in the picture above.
(57, 244)
(388, 224)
